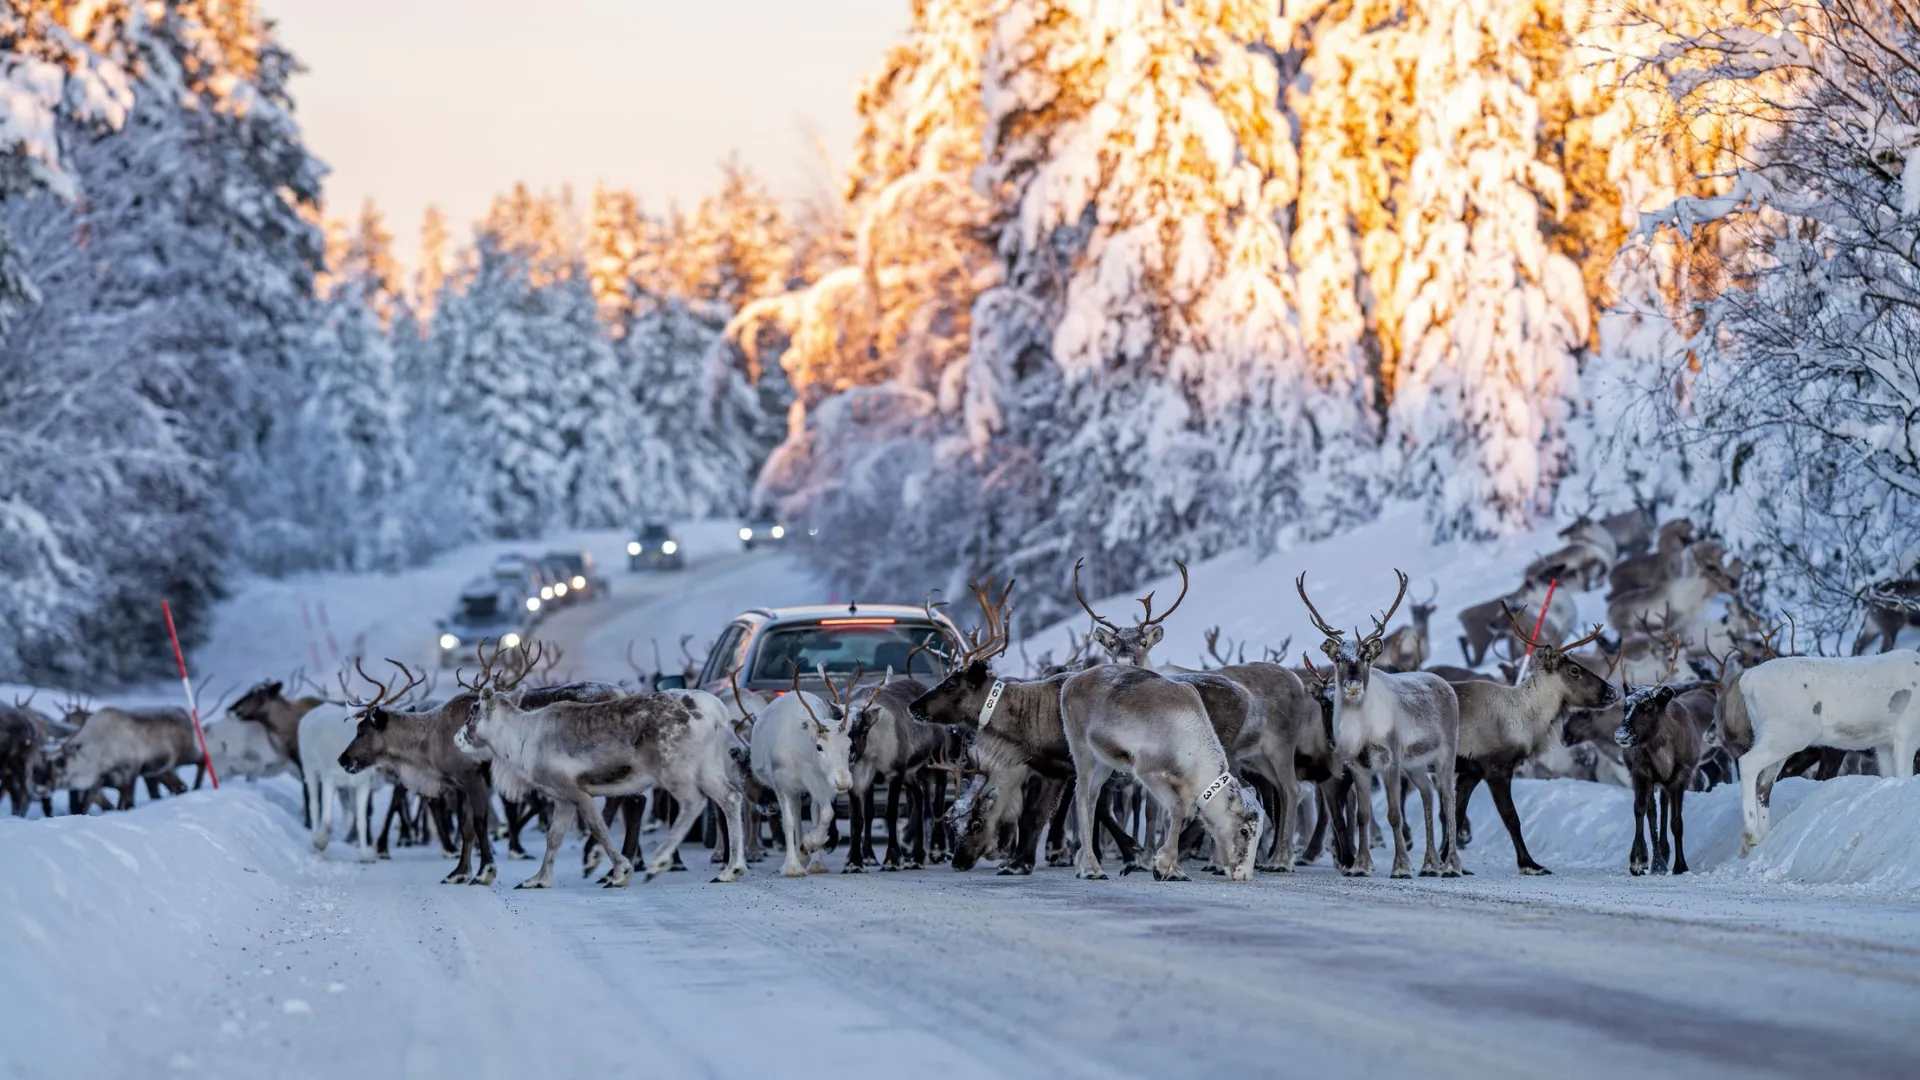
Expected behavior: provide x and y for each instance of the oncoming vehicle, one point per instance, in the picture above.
(523, 577)
(556, 588)
(765, 645)
(762, 531)
(577, 571)
(484, 612)
(655, 547)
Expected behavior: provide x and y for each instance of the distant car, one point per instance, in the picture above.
(765, 645)
(556, 583)
(762, 531)
(523, 576)
(577, 570)
(484, 612)
(655, 547)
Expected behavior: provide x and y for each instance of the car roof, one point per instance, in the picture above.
(815, 612)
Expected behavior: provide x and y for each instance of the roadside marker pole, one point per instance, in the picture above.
(327, 628)
(1537, 624)
(193, 706)
(313, 647)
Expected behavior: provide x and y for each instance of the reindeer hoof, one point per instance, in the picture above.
(1429, 873)
(793, 871)
(1093, 875)
(534, 883)
(385, 857)
(1016, 870)
(516, 855)
(455, 878)
(854, 867)
(1679, 868)
(1535, 871)
(1401, 872)
(1354, 871)
(1637, 870)
(1452, 873)
(1176, 874)
(485, 876)
(727, 877)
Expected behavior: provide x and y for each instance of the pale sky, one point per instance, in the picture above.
(450, 101)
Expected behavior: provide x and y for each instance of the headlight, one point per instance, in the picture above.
(533, 603)
(669, 548)
(559, 588)
(813, 531)
(448, 641)
(633, 547)
(746, 534)
(777, 531)
(546, 592)
(509, 640)
(579, 582)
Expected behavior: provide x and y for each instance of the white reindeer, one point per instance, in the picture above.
(325, 733)
(1405, 724)
(794, 752)
(1849, 703)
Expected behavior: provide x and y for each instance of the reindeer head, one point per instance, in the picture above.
(1644, 707)
(1422, 610)
(959, 698)
(833, 736)
(1130, 645)
(1584, 689)
(1352, 660)
(493, 694)
(369, 743)
(253, 704)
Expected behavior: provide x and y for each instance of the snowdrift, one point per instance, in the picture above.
(1860, 831)
(113, 926)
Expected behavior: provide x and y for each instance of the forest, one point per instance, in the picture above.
(1135, 281)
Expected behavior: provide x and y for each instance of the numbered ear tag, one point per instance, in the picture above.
(1214, 788)
(993, 702)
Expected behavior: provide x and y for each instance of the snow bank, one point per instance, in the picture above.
(1861, 831)
(112, 926)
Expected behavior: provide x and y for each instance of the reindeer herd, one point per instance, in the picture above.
(1237, 764)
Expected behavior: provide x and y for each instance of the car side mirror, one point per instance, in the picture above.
(669, 682)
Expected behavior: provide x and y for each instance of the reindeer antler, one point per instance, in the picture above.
(994, 612)
(1519, 631)
(733, 679)
(1083, 600)
(1300, 585)
(386, 696)
(801, 697)
(1588, 640)
(1314, 671)
(1380, 621)
(1147, 601)
(522, 666)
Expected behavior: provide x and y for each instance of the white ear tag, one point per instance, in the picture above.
(1213, 789)
(993, 702)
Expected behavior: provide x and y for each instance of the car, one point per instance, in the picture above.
(577, 571)
(764, 645)
(655, 546)
(762, 531)
(485, 612)
(523, 577)
(556, 583)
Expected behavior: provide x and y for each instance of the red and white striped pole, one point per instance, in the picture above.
(193, 706)
(1537, 624)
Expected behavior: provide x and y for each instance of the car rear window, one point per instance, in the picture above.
(653, 532)
(474, 609)
(840, 647)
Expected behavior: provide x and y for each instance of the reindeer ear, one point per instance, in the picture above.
(1370, 650)
(273, 689)
(1152, 634)
(1104, 636)
(977, 673)
(379, 719)
(1331, 647)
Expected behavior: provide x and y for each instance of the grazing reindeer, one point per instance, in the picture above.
(1632, 530)
(1407, 648)
(888, 741)
(1793, 702)
(118, 747)
(794, 753)
(1681, 600)
(267, 706)
(1647, 571)
(1503, 726)
(1407, 724)
(1588, 555)
(1134, 720)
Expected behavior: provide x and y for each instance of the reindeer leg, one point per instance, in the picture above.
(473, 825)
(859, 806)
(1676, 798)
(1058, 853)
(1664, 804)
(1430, 863)
(690, 806)
(1322, 819)
(718, 787)
(790, 830)
(939, 842)
(1467, 779)
(1090, 780)
(1104, 819)
(1396, 823)
(395, 803)
(1500, 786)
(1360, 820)
(559, 824)
(363, 817)
(1166, 858)
(1642, 798)
(1041, 801)
(590, 853)
(894, 784)
(461, 872)
(622, 871)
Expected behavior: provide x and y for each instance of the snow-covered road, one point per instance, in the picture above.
(380, 971)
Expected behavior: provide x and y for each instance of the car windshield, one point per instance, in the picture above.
(872, 646)
(653, 532)
(574, 564)
(478, 610)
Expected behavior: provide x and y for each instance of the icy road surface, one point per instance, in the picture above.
(945, 974)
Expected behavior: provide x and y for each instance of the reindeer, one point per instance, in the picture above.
(267, 706)
(1891, 607)
(888, 741)
(1017, 733)
(1484, 623)
(118, 747)
(572, 751)
(1503, 726)
(1793, 702)
(794, 753)
(1632, 530)
(1407, 648)
(1588, 555)
(1407, 724)
(1681, 599)
(20, 746)
(1130, 645)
